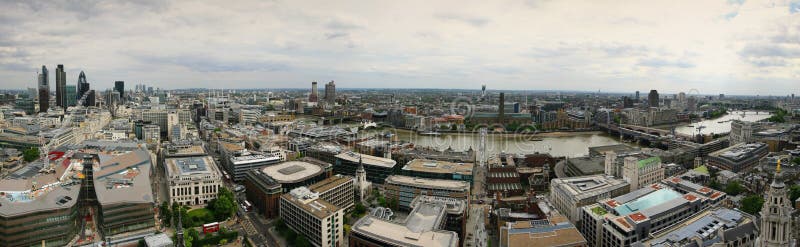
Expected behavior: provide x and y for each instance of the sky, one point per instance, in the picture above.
(742, 47)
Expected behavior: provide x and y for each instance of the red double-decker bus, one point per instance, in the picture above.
(211, 227)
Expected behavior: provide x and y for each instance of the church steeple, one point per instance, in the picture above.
(776, 220)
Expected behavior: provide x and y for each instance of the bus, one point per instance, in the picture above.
(210, 227)
(247, 206)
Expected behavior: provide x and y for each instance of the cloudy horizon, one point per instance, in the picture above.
(737, 47)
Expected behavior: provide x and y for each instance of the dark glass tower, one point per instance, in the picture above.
(61, 87)
(44, 90)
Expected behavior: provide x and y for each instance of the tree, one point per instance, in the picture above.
(752, 204)
(734, 188)
(359, 209)
(166, 213)
(794, 192)
(301, 241)
(224, 205)
(30, 154)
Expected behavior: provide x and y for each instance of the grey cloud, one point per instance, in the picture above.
(770, 50)
(342, 25)
(336, 35)
(470, 20)
(208, 64)
(664, 63)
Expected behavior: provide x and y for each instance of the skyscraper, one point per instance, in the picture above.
(330, 93)
(71, 95)
(44, 90)
(61, 86)
(637, 97)
(313, 97)
(83, 86)
(119, 86)
(652, 98)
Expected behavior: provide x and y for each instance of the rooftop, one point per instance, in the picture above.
(330, 183)
(589, 186)
(704, 226)
(419, 229)
(186, 166)
(436, 166)
(40, 186)
(310, 202)
(367, 159)
(124, 178)
(541, 233)
(647, 201)
(292, 171)
(738, 152)
(426, 182)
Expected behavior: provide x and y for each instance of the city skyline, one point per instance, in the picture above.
(730, 47)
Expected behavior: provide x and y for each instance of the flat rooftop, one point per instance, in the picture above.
(738, 152)
(367, 159)
(647, 201)
(124, 178)
(330, 183)
(418, 230)
(186, 166)
(588, 186)
(310, 202)
(43, 185)
(703, 226)
(428, 183)
(292, 171)
(542, 233)
(437, 166)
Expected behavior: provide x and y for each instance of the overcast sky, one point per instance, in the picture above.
(733, 47)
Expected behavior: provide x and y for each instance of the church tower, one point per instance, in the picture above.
(362, 185)
(776, 214)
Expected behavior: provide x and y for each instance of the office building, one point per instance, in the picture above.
(290, 174)
(632, 217)
(404, 189)
(652, 98)
(44, 90)
(377, 168)
(124, 193)
(90, 99)
(330, 93)
(742, 131)
(423, 227)
(72, 95)
(438, 169)
(554, 231)
(119, 86)
(263, 192)
(337, 190)
(37, 207)
(313, 96)
(642, 171)
(61, 86)
(455, 212)
(151, 133)
(713, 227)
(192, 180)
(83, 86)
(242, 161)
(568, 195)
(739, 157)
(307, 214)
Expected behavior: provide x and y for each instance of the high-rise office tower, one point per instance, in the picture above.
(90, 98)
(83, 85)
(119, 86)
(61, 86)
(652, 98)
(44, 90)
(72, 95)
(501, 108)
(313, 97)
(637, 96)
(330, 93)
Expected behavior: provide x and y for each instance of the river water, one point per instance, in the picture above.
(568, 144)
(721, 124)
